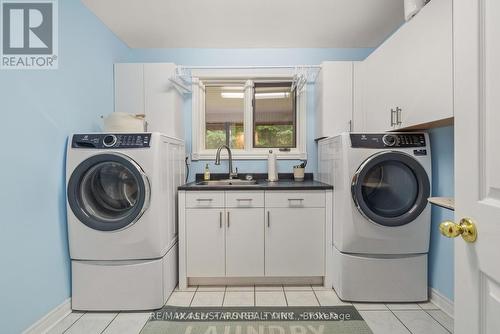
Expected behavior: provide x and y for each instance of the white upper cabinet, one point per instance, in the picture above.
(410, 73)
(145, 89)
(129, 88)
(334, 98)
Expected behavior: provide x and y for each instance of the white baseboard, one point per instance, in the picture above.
(50, 319)
(443, 302)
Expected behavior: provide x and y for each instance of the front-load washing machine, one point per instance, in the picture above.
(122, 228)
(381, 218)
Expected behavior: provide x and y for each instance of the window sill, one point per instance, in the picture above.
(208, 155)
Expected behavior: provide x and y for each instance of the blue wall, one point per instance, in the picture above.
(238, 57)
(441, 254)
(39, 109)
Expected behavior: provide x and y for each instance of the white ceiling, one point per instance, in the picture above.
(250, 23)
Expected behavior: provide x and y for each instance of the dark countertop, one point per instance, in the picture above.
(285, 182)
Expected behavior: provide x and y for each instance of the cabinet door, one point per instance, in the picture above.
(245, 242)
(295, 242)
(380, 85)
(412, 70)
(163, 103)
(205, 243)
(429, 62)
(334, 98)
(129, 88)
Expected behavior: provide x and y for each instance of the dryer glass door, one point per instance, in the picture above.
(390, 188)
(108, 192)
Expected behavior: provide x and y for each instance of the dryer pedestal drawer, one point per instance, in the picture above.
(379, 279)
(117, 285)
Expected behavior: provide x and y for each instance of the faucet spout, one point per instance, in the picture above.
(230, 160)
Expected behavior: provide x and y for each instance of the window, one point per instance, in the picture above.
(224, 116)
(250, 116)
(274, 116)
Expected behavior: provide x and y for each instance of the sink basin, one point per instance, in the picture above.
(227, 182)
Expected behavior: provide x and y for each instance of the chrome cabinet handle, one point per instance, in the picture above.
(398, 116)
(268, 219)
(228, 219)
(204, 199)
(220, 219)
(392, 117)
(244, 199)
(291, 200)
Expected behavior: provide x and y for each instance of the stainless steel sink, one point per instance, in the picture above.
(227, 182)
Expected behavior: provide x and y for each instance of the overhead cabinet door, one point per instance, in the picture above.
(295, 242)
(129, 88)
(411, 71)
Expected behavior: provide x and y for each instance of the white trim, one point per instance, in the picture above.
(249, 153)
(261, 280)
(248, 113)
(329, 269)
(44, 324)
(181, 209)
(445, 304)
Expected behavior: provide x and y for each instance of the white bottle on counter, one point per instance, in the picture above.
(272, 171)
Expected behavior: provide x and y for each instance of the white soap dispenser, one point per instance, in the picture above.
(272, 173)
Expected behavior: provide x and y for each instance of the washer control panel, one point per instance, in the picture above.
(111, 140)
(385, 140)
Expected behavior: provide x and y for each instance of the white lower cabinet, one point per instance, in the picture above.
(245, 236)
(205, 249)
(245, 242)
(295, 242)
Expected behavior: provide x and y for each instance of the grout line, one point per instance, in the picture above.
(436, 319)
(194, 294)
(394, 314)
(315, 296)
(145, 322)
(224, 296)
(110, 322)
(284, 292)
(74, 322)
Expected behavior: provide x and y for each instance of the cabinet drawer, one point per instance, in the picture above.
(205, 199)
(295, 199)
(244, 199)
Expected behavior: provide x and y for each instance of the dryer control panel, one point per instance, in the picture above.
(386, 140)
(110, 140)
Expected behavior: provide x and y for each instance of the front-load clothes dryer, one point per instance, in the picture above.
(122, 228)
(381, 218)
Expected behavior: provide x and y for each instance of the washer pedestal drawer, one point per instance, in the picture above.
(123, 285)
(370, 278)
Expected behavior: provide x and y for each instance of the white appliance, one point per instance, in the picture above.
(381, 218)
(122, 224)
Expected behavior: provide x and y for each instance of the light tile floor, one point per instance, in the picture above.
(425, 318)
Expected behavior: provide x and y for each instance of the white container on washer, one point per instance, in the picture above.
(124, 122)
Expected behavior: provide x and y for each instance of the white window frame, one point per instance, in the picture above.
(247, 79)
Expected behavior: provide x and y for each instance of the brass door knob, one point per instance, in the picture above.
(466, 228)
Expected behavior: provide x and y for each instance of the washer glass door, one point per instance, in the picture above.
(108, 192)
(391, 188)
